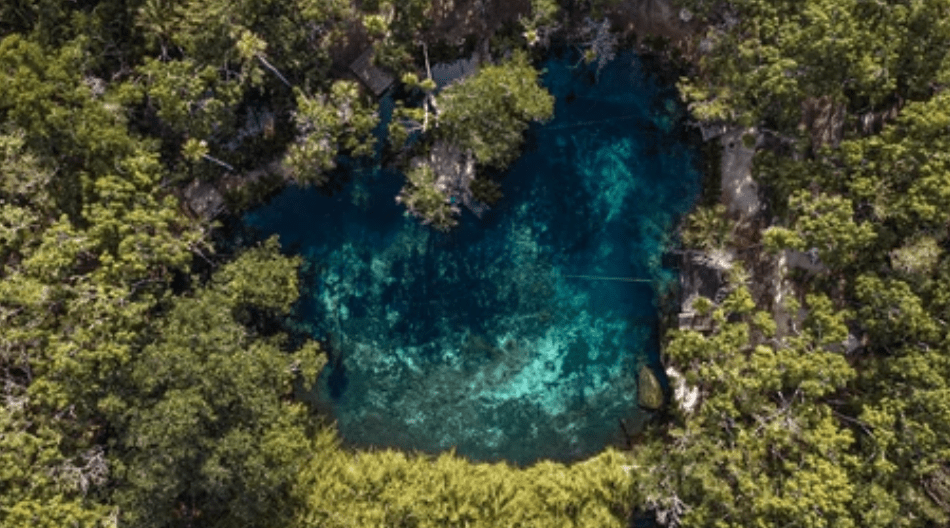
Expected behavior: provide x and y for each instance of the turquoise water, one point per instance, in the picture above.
(485, 339)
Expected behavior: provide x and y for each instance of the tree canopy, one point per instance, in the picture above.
(148, 374)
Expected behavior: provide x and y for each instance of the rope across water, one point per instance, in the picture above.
(598, 277)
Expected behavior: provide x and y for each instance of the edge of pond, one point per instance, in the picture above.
(269, 182)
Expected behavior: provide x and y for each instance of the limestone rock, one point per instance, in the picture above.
(739, 190)
(204, 199)
(445, 74)
(649, 391)
(687, 397)
(656, 17)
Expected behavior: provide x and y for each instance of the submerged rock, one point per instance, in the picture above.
(649, 391)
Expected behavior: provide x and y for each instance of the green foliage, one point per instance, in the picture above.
(827, 223)
(825, 325)
(878, 209)
(542, 21)
(917, 257)
(776, 238)
(329, 125)
(902, 174)
(294, 35)
(128, 401)
(87, 247)
(39, 484)
(488, 112)
(907, 419)
(405, 120)
(424, 200)
(707, 228)
(763, 448)
(389, 488)
(188, 97)
(206, 431)
(891, 311)
(408, 19)
(779, 53)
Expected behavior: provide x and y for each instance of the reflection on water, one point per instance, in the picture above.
(498, 338)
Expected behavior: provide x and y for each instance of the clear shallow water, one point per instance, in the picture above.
(481, 339)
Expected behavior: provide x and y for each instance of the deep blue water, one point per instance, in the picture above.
(480, 339)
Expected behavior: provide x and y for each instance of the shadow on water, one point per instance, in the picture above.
(337, 380)
(507, 338)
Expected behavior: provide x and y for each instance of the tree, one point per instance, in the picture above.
(542, 22)
(708, 228)
(479, 120)
(40, 484)
(764, 447)
(763, 59)
(207, 433)
(598, 42)
(423, 200)
(329, 125)
(407, 21)
(86, 247)
(488, 112)
(827, 223)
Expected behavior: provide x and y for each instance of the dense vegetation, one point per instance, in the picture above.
(798, 429)
(148, 379)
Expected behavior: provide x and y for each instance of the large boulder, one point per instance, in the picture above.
(649, 392)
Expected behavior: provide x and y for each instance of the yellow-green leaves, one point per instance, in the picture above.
(193, 149)
(917, 257)
(776, 239)
(891, 311)
(260, 278)
(826, 324)
(762, 447)
(188, 96)
(388, 488)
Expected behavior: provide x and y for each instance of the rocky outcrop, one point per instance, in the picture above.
(203, 199)
(649, 392)
(873, 122)
(655, 17)
(699, 276)
(740, 192)
(685, 396)
(824, 120)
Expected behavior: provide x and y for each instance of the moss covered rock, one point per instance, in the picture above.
(649, 391)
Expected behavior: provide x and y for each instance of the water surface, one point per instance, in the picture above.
(502, 339)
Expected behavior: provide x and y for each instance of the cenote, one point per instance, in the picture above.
(509, 338)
